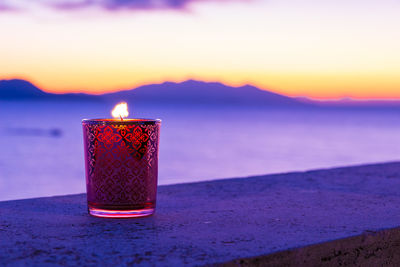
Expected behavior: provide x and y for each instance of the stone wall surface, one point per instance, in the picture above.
(343, 216)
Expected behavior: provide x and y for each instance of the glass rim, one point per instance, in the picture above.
(121, 122)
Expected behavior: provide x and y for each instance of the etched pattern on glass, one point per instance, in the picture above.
(121, 163)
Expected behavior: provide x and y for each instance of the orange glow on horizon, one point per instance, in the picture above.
(315, 87)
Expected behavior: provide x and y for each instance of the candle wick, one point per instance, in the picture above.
(121, 117)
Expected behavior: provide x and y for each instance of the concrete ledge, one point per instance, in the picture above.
(328, 217)
(380, 248)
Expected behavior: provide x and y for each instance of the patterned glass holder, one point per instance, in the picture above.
(121, 160)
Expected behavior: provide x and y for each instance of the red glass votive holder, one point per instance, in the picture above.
(121, 160)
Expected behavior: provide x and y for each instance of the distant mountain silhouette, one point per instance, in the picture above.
(13, 89)
(189, 92)
(197, 92)
(21, 89)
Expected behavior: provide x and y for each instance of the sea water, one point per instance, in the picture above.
(42, 149)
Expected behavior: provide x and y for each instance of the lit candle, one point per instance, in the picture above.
(121, 160)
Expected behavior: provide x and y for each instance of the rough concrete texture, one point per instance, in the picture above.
(264, 220)
(381, 248)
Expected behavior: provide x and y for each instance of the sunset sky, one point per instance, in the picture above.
(319, 49)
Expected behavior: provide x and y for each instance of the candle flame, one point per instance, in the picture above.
(120, 110)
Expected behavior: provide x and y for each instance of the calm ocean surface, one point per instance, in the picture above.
(42, 151)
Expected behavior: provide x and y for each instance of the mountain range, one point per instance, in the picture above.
(189, 92)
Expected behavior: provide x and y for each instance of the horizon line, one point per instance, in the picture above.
(343, 98)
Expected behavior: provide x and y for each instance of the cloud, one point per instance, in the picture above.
(111, 5)
(6, 7)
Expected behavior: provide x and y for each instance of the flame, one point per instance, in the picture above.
(120, 110)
